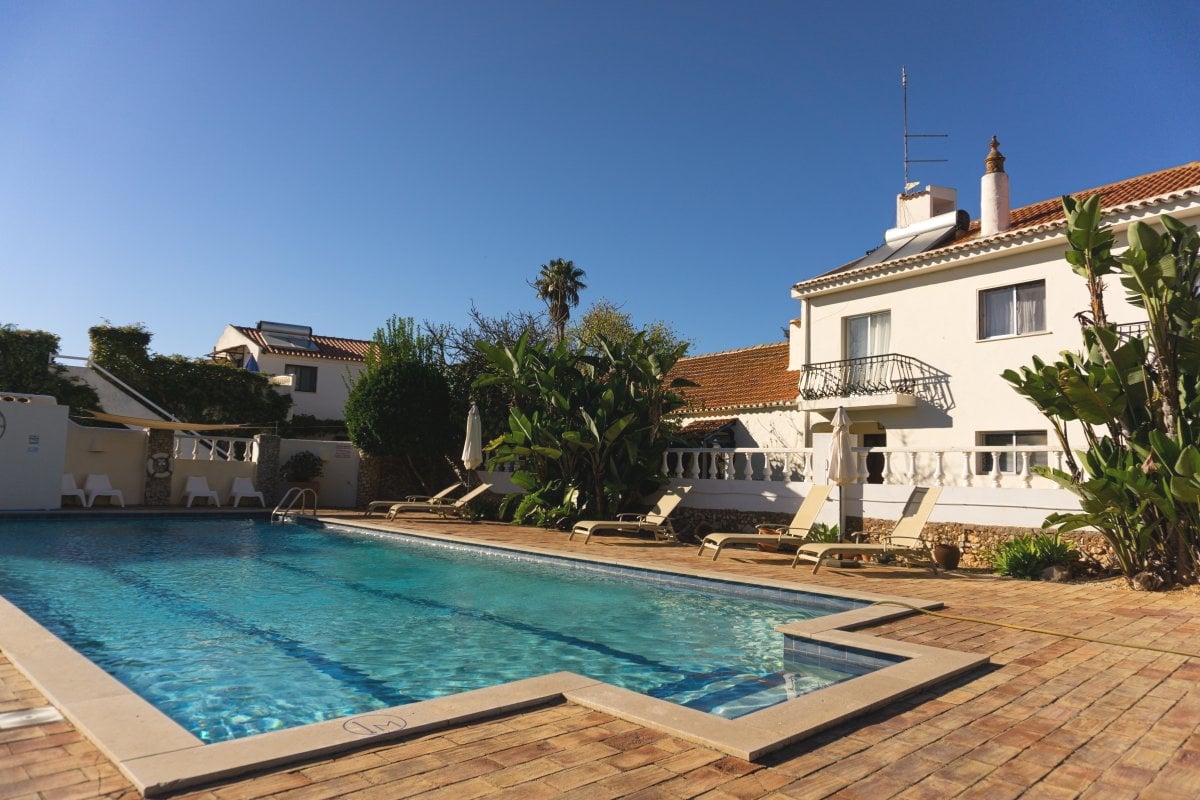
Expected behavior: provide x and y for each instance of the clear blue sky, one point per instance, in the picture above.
(190, 164)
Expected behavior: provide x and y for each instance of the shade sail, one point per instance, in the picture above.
(164, 425)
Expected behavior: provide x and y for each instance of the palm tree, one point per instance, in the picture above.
(558, 284)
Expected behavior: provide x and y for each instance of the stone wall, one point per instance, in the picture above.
(973, 540)
(266, 470)
(976, 540)
(158, 490)
(699, 522)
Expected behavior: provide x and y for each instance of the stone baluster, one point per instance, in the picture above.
(912, 468)
(888, 477)
(712, 463)
(664, 462)
(694, 472)
(860, 460)
(678, 463)
(996, 474)
(1026, 475)
(730, 464)
(808, 466)
(748, 469)
(968, 470)
(939, 471)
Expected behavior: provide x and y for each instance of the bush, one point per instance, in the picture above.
(302, 467)
(1027, 556)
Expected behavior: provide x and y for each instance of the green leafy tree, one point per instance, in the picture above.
(1134, 396)
(559, 284)
(585, 429)
(191, 389)
(605, 320)
(27, 366)
(400, 406)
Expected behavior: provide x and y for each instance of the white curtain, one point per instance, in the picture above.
(1031, 307)
(881, 332)
(997, 313)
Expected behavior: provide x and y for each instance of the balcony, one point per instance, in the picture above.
(871, 382)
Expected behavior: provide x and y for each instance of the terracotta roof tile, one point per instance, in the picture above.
(750, 377)
(704, 427)
(1182, 180)
(1131, 190)
(330, 347)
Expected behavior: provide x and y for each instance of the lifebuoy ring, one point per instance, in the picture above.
(158, 466)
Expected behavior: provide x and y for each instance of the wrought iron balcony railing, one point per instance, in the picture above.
(870, 375)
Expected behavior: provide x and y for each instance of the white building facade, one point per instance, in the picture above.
(913, 344)
(316, 370)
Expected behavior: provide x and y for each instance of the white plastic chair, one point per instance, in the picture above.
(98, 486)
(71, 489)
(244, 487)
(197, 486)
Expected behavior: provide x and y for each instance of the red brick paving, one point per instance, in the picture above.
(1052, 718)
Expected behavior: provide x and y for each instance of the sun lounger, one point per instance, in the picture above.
(905, 540)
(242, 488)
(795, 532)
(441, 497)
(441, 507)
(653, 521)
(71, 489)
(98, 486)
(197, 486)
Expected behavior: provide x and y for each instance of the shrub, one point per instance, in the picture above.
(820, 532)
(1028, 555)
(302, 467)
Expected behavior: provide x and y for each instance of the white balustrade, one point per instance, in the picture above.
(214, 448)
(1007, 467)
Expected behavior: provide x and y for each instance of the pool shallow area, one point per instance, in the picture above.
(239, 627)
(337, 608)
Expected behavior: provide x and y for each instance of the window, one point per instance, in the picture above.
(864, 336)
(868, 334)
(1012, 310)
(1011, 461)
(304, 379)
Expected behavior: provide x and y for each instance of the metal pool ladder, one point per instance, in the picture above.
(296, 494)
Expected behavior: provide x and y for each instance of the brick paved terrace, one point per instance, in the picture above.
(1051, 717)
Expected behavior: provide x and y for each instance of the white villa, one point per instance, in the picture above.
(911, 338)
(319, 367)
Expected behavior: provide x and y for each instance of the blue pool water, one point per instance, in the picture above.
(234, 627)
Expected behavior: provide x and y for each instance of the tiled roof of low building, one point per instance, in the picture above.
(1176, 182)
(747, 378)
(700, 428)
(330, 347)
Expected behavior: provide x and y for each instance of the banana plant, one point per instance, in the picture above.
(1134, 398)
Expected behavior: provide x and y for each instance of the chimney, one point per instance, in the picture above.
(994, 203)
(918, 207)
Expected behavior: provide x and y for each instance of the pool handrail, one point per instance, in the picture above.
(296, 494)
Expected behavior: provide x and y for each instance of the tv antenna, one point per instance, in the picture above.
(910, 185)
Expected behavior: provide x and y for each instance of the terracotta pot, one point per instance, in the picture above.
(946, 556)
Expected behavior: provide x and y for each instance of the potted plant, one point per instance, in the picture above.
(302, 470)
(946, 555)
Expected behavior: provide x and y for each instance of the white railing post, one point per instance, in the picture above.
(996, 474)
(694, 472)
(712, 463)
(968, 469)
(748, 470)
(1026, 477)
(912, 468)
(939, 474)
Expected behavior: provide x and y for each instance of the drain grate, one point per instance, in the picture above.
(29, 716)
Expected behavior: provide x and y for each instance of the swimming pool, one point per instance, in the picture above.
(236, 627)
